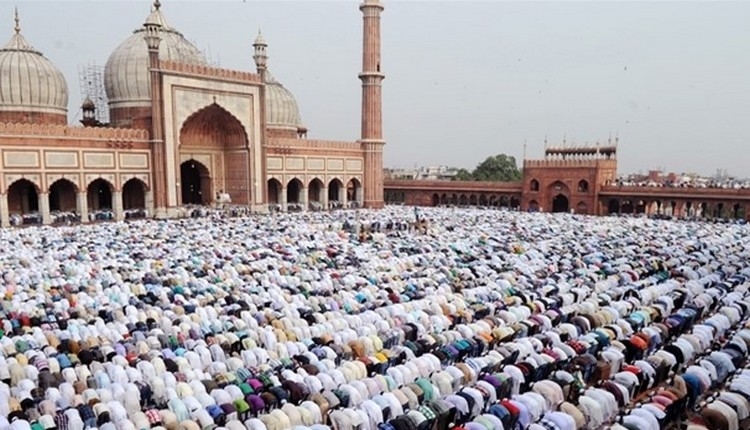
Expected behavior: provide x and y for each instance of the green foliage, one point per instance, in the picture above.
(463, 175)
(496, 168)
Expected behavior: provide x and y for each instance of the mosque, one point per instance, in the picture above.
(180, 132)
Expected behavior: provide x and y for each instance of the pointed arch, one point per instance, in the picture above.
(63, 196)
(134, 194)
(559, 187)
(23, 197)
(294, 191)
(99, 194)
(213, 127)
(315, 191)
(560, 203)
(195, 182)
(274, 191)
(354, 191)
(335, 190)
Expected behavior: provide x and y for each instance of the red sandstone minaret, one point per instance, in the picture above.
(153, 39)
(372, 105)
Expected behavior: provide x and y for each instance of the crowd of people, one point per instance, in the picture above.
(436, 319)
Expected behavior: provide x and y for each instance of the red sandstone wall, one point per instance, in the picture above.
(33, 118)
(131, 117)
(414, 198)
(272, 133)
(236, 177)
(569, 177)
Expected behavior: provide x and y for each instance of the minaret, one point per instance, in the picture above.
(372, 104)
(260, 56)
(153, 39)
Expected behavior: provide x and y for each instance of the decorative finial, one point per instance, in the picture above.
(157, 4)
(259, 40)
(17, 28)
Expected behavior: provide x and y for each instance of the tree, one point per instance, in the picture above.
(497, 168)
(463, 175)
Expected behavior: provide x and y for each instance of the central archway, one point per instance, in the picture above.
(215, 130)
(195, 182)
(560, 193)
(560, 203)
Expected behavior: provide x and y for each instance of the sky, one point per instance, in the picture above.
(467, 79)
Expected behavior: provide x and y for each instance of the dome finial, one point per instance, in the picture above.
(259, 40)
(157, 4)
(17, 28)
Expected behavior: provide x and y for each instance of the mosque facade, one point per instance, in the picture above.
(180, 132)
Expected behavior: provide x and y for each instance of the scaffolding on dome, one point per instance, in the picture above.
(208, 55)
(92, 87)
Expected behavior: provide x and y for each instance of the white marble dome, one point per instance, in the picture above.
(126, 74)
(29, 82)
(282, 111)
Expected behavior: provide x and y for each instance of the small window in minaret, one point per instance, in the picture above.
(378, 66)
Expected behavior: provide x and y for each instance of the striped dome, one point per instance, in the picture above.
(126, 75)
(29, 82)
(282, 111)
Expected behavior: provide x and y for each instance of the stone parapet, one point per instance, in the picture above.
(40, 118)
(675, 192)
(282, 145)
(209, 72)
(64, 131)
(570, 163)
(453, 186)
